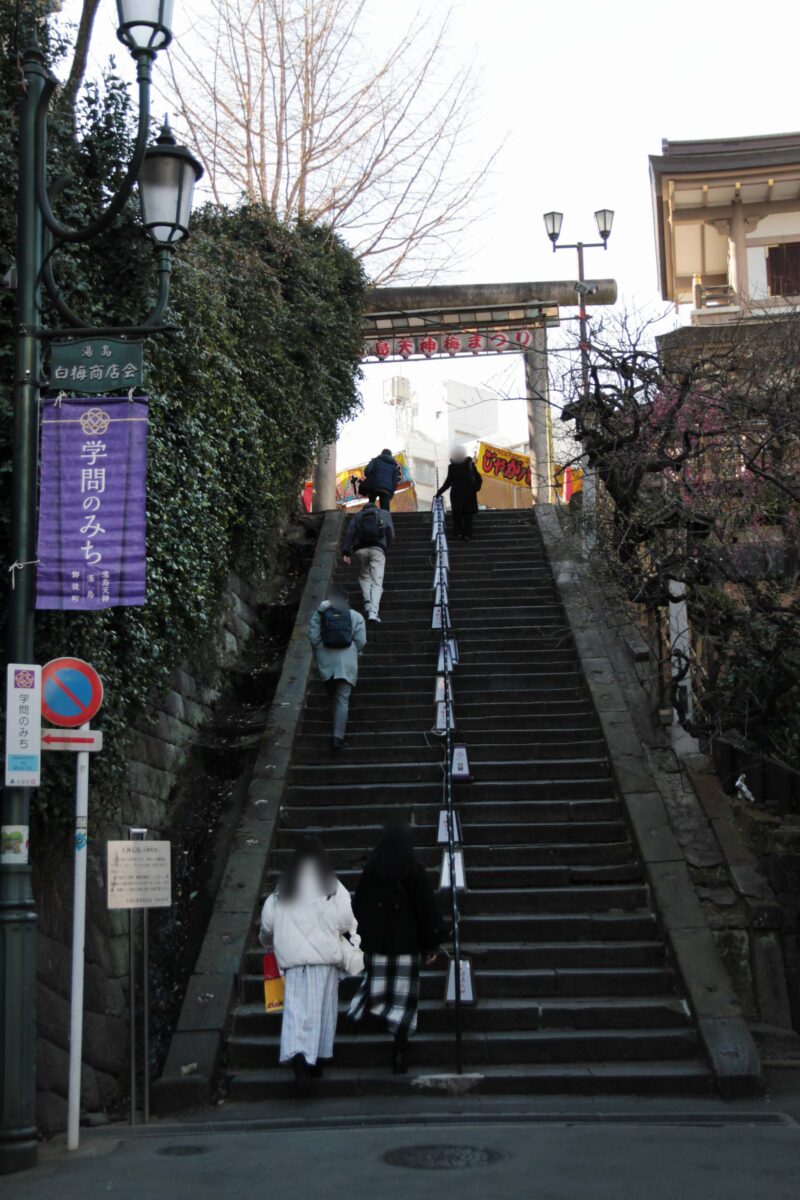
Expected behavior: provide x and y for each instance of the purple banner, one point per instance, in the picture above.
(92, 503)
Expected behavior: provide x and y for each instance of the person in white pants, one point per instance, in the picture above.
(368, 537)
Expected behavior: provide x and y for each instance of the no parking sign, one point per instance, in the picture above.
(72, 692)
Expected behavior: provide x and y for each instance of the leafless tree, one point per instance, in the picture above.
(695, 442)
(288, 108)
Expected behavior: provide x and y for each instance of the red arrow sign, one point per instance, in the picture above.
(71, 741)
(83, 739)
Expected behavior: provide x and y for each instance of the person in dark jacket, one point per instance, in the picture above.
(367, 538)
(400, 924)
(382, 475)
(464, 483)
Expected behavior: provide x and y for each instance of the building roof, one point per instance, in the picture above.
(695, 182)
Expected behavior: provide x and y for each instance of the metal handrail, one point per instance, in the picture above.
(447, 783)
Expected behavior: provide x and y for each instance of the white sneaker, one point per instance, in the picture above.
(374, 617)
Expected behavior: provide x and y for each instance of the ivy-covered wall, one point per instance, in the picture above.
(263, 367)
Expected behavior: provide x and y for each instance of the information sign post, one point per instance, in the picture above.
(139, 877)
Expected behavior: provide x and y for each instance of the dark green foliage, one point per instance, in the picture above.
(262, 369)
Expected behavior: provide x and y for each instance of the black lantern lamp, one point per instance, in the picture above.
(605, 219)
(166, 187)
(552, 223)
(145, 26)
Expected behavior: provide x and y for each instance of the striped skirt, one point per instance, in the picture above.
(310, 1008)
(389, 989)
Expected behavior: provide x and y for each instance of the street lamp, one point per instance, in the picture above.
(166, 188)
(166, 174)
(145, 25)
(552, 223)
(604, 218)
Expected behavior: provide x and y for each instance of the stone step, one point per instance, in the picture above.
(513, 658)
(476, 686)
(482, 744)
(495, 1048)
(608, 989)
(599, 856)
(502, 1013)
(299, 814)
(475, 834)
(313, 749)
(367, 723)
(553, 957)
(526, 876)
(660, 1078)
(530, 770)
(420, 704)
(578, 926)
(546, 788)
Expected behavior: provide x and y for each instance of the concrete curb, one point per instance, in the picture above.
(614, 688)
(195, 1051)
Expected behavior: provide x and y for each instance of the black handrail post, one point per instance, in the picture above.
(446, 629)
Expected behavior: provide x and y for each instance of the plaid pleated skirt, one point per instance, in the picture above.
(389, 989)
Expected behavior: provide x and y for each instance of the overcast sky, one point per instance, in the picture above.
(581, 93)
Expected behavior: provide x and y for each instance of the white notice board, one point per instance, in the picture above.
(139, 875)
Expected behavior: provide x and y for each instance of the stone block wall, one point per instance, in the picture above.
(158, 748)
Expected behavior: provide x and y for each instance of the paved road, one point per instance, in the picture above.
(609, 1150)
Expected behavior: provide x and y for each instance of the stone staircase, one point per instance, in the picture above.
(575, 994)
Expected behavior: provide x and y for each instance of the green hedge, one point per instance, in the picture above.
(264, 367)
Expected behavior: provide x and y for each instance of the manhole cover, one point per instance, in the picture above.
(182, 1150)
(441, 1158)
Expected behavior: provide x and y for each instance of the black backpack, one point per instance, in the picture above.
(370, 528)
(336, 627)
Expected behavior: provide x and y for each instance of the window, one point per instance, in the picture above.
(783, 269)
(424, 472)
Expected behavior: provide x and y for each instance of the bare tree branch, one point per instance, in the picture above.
(286, 107)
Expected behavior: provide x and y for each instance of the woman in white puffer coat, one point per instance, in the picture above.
(304, 921)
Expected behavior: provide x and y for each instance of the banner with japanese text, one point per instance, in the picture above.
(92, 506)
(495, 463)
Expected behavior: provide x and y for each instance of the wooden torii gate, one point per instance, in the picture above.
(462, 320)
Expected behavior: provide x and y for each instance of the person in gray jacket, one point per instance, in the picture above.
(338, 635)
(368, 537)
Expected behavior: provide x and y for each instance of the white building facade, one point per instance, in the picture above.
(429, 424)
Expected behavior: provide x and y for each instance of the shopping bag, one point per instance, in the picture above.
(273, 984)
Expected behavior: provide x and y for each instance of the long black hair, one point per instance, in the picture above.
(394, 857)
(310, 850)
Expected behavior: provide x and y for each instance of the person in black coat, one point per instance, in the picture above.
(399, 923)
(464, 483)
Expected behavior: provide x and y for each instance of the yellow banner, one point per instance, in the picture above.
(505, 465)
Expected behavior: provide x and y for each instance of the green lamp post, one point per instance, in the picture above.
(166, 175)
